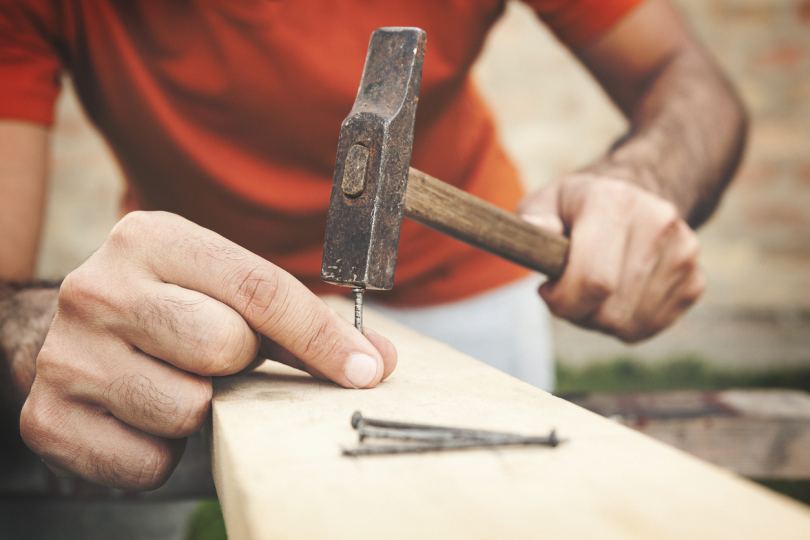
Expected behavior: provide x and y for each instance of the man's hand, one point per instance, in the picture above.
(125, 372)
(632, 266)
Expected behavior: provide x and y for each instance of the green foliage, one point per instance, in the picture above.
(207, 523)
(626, 374)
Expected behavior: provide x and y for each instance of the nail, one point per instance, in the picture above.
(359, 420)
(361, 370)
(387, 449)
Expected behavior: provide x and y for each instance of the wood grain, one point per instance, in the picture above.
(279, 474)
(448, 209)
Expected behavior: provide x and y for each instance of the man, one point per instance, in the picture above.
(227, 113)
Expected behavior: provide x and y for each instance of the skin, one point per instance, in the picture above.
(633, 262)
(123, 374)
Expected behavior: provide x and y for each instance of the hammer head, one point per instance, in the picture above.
(373, 157)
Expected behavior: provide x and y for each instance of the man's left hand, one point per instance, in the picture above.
(633, 262)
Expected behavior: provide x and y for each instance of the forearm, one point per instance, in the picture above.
(26, 311)
(687, 135)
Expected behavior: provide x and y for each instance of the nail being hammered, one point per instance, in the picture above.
(358, 307)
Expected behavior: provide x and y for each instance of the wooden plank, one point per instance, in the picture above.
(757, 433)
(279, 473)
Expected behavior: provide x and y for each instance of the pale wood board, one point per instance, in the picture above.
(277, 435)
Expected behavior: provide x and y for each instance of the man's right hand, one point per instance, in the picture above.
(125, 372)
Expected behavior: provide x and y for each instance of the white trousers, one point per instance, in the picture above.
(508, 328)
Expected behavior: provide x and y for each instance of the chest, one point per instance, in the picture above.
(262, 60)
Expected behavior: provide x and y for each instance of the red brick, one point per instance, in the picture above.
(803, 11)
(784, 55)
(804, 174)
(755, 173)
(784, 215)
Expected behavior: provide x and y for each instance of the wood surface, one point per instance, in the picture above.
(277, 434)
(757, 433)
(448, 209)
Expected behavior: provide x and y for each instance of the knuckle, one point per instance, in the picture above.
(75, 290)
(614, 317)
(129, 229)
(632, 333)
(133, 228)
(616, 194)
(227, 349)
(222, 349)
(667, 212)
(137, 392)
(83, 290)
(51, 365)
(621, 323)
(597, 286)
(178, 416)
(630, 338)
(668, 228)
(197, 403)
(317, 340)
(40, 419)
(48, 358)
(260, 295)
(690, 249)
(155, 468)
(695, 290)
(152, 313)
(150, 470)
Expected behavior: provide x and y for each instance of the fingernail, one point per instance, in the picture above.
(540, 221)
(361, 369)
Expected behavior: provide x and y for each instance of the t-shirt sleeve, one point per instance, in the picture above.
(578, 23)
(30, 67)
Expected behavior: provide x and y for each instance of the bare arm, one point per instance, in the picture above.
(687, 124)
(633, 263)
(26, 308)
(26, 311)
(23, 158)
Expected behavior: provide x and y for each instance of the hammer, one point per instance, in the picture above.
(374, 184)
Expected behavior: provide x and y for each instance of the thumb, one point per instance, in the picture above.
(272, 350)
(541, 209)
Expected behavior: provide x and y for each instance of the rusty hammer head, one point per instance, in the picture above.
(373, 157)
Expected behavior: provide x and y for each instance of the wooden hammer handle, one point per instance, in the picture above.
(452, 211)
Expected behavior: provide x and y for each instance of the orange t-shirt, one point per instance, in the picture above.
(228, 112)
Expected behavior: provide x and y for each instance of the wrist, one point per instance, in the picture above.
(26, 311)
(633, 160)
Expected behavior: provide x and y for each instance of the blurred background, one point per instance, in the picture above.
(553, 118)
(752, 328)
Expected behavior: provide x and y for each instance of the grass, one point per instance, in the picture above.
(207, 522)
(626, 374)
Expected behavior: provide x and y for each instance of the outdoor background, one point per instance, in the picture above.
(752, 328)
(553, 118)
